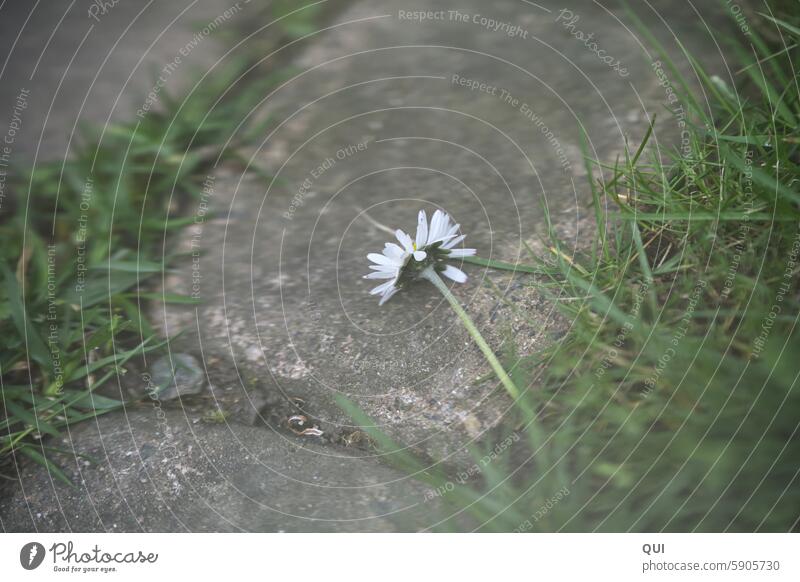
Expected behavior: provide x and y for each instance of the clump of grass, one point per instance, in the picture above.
(672, 403)
(79, 241)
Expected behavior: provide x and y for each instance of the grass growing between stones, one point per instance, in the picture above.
(79, 241)
(672, 402)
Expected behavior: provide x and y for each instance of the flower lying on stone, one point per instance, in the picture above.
(412, 258)
(426, 257)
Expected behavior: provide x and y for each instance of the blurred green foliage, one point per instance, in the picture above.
(81, 238)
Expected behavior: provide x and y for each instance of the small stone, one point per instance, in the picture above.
(187, 378)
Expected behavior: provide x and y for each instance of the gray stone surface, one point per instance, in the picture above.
(378, 121)
(167, 472)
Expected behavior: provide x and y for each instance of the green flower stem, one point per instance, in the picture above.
(509, 385)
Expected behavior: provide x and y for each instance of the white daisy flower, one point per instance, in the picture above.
(432, 247)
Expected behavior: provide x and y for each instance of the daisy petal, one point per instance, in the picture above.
(436, 228)
(455, 274)
(422, 229)
(381, 275)
(382, 259)
(392, 250)
(405, 240)
(462, 252)
(453, 242)
(386, 296)
(420, 255)
(444, 239)
(383, 287)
